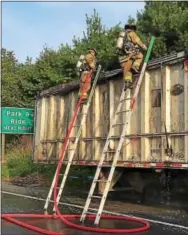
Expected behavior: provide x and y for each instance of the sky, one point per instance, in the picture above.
(28, 26)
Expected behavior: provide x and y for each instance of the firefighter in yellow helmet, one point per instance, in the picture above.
(85, 64)
(128, 49)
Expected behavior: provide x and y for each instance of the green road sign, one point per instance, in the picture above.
(17, 120)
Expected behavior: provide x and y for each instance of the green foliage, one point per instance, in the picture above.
(4, 172)
(47, 171)
(10, 79)
(169, 21)
(23, 81)
(19, 163)
(100, 38)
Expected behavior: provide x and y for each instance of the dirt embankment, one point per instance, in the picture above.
(32, 179)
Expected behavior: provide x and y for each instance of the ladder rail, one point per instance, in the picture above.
(77, 137)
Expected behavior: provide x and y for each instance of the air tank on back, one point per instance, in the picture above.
(119, 43)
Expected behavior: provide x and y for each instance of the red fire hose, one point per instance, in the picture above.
(11, 218)
(66, 218)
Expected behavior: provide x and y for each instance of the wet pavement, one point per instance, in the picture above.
(12, 204)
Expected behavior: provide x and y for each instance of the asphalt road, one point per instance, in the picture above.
(55, 225)
(11, 204)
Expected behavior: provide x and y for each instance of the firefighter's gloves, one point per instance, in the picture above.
(144, 47)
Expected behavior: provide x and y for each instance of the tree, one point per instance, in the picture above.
(30, 84)
(101, 38)
(10, 80)
(168, 20)
(22, 81)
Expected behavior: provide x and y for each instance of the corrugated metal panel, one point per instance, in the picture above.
(146, 142)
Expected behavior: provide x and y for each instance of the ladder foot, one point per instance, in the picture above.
(46, 212)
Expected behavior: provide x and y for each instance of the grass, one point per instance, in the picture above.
(5, 172)
(19, 163)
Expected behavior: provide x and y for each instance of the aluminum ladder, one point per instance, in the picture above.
(124, 126)
(65, 146)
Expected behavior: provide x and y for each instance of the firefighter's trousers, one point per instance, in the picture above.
(128, 61)
(85, 79)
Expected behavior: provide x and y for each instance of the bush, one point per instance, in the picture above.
(19, 161)
(20, 165)
(47, 171)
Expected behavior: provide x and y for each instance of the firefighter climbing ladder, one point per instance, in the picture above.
(125, 125)
(65, 147)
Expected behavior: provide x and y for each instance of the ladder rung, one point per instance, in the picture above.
(63, 174)
(67, 175)
(110, 151)
(70, 149)
(104, 181)
(124, 111)
(125, 99)
(94, 196)
(77, 126)
(118, 124)
(112, 137)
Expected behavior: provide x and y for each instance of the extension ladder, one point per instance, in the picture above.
(67, 139)
(105, 151)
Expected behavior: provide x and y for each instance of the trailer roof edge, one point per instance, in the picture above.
(153, 64)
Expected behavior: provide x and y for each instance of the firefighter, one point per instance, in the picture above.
(85, 64)
(128, 49)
